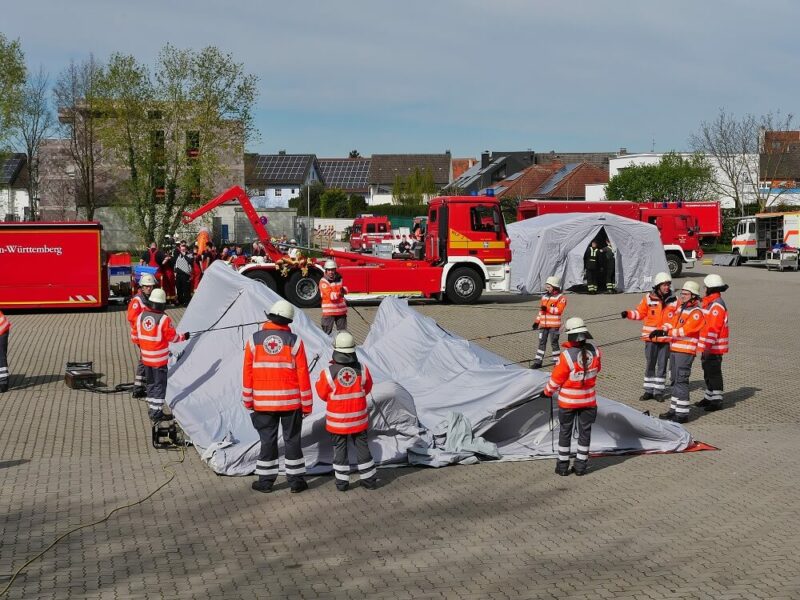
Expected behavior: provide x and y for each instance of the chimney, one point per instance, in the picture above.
(485, 157)
(623, 151)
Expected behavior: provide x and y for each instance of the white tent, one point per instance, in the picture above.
(554, 244)
(428, 382)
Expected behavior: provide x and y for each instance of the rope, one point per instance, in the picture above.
(489, 337)
(212, 328)
(166, 468)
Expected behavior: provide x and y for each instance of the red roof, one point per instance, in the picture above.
(462, 164)
(553, 180)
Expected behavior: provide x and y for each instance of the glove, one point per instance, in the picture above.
(543, 310)
(155, 415)
(657, 334)
(184, 336)
(624, 314)
(535, 326)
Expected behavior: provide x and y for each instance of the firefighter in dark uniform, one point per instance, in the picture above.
(344, 386)
(276, 390)
(5, 327)
(591, 264)
(573, 378)
(609, 269)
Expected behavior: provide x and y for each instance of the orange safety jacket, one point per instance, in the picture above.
(652, 311)
(275, 371)
(683, 325)
(135, 308)
(332, 293)
(5, 324)
(550, 310)
(714, 337)
(345, 387)
(153, 334)
(575, 379)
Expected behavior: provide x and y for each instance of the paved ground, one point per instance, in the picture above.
(719, 525)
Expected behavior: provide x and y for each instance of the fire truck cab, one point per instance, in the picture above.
(368, 230)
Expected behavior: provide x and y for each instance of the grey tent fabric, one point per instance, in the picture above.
(458, 445)
(554, 244)
(423, 375)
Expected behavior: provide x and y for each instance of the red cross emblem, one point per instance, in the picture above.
(347, 376)
(148, 323)
(273, 344)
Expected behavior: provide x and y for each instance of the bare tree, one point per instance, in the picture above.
(738, 148)
(33, 123)
(78, 102)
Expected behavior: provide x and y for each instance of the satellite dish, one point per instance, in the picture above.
(263, 220)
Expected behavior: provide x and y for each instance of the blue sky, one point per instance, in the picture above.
(386, 76)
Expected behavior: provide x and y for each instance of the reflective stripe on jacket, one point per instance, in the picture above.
(5, 324)
(135, 308)
(714, 337)
(345, 387)
(683, 325)
(332, 294)
(652, 311)
(153, 334)
(575, 379)
(550, 310)
(275, 371)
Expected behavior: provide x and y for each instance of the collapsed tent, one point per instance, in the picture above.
(554, 244)
(430, 386)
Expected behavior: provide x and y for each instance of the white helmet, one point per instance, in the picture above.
(330, 265)
(713, 281)
(147, 279)
(292, 241)
(554, 281)
(575, 325)
(691, 286)
(284, 309)
(344, 342)
(661, 278)
(158, 296)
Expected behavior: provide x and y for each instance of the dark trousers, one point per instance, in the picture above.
(4, 374)
(341, 464)
(156, 378)
(328, 322)
(568, 419)
(140, 379)
(655, 371)
(680, 371)
(183, 283)
(712, 373)
(551, 333)
(591, 280)
(266, 423)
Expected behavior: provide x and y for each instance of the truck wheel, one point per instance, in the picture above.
(303, 290)
(464, 286)
(675, 265)
(263, 278)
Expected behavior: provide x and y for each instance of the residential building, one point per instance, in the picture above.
(351, 175)
(552, 181)
(386, 168)
(279, 177)
(14, 201)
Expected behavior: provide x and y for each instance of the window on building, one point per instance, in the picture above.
(157, 146)
(278, 192)
(192, 144)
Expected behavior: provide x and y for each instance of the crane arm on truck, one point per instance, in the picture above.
(238, 194)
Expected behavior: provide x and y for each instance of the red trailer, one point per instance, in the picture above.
(52, 265)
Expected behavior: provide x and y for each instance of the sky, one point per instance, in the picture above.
(426, 76)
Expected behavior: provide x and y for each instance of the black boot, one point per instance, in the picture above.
(667, 416)
(580, 467)
(4, 387)
(646, 396)
(298, 486)
(681, 418)
(342, 486)
(370, 484)
(562, 468)
(262, 485)
(536, 365)
(713, 405)
(703, 403)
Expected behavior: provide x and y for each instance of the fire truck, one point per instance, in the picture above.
(678, 227)
(52, 265)
(466, 251)
(368, 230)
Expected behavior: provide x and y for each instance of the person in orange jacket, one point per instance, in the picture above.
(153, 334)
(5, 328)
(682, 326)
(276, 390)
(714, 341)
(574, 378)
(334, 306)
(651, 311)
(135, 307)
(548, 320)
(344, 386)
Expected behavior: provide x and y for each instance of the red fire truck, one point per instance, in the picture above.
(52, 265)
(466, 252)
(368, 230)
(678, 226)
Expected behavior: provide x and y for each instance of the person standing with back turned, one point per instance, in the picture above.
(548, 320)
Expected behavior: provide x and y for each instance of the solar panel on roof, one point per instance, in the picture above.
(557, 177)
(346, 174)
(9, 169)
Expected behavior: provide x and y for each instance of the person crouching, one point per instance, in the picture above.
(344, 386)
(574, 379)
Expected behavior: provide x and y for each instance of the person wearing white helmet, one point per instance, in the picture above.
(573, 379)
(682, 325)
(276, 391)
(332, 292)
(714, 341)
(344, 386)
(548, 320)
(651, 311)
(5, 327)
(135, 307)
(154, 332)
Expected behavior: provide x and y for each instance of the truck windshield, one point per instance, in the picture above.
(482, 218)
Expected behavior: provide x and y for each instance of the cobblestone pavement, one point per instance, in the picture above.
(719, 525)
